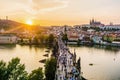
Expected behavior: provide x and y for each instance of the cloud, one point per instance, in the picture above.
(42, 6)
(32, 7)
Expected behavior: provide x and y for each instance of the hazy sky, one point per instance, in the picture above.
(59, 12)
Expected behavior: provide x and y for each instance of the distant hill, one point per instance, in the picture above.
(8, 24)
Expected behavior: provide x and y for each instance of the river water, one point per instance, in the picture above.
(29, 55)
(106, 62)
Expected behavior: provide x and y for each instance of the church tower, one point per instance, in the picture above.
(93, 21)
(6, 17)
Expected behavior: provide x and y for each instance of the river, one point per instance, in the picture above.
(29, 55)
(106, 62)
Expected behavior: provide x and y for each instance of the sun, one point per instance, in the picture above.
(29, 22)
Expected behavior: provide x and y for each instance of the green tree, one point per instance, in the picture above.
(42, 39)
(2, 70)
(36, 40)
(55, 49)
(65, 38)
(50, 68)
(36, 74)
(78, 42)
(15, 70)
(51, 38)
(84, 28)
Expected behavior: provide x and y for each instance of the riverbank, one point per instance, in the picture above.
(88, 43)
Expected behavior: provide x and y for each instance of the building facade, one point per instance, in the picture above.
(8, 39)
(106, 27)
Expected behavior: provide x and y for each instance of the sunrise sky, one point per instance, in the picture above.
(60, 12)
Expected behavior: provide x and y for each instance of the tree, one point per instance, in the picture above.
(51, 38)
(65, 38)
(55, 49)
(84, 28)
(15, 70)
(2, 70)
(36, 74)
(42, 39)
(50, 68)
(78, 42)
(36, 40)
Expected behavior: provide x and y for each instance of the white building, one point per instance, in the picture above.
(81, 36)
(8, 39)
(97, 39)
(2, 31)
(90, 30)
(110, 27)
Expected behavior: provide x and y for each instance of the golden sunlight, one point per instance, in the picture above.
(29, 22)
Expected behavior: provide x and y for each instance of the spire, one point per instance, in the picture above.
(6, 17)
(74, 56)
(79, 64)
(74, 52)
(93, 20)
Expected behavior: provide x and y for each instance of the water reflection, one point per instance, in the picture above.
(108, 48)
(7, 46)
